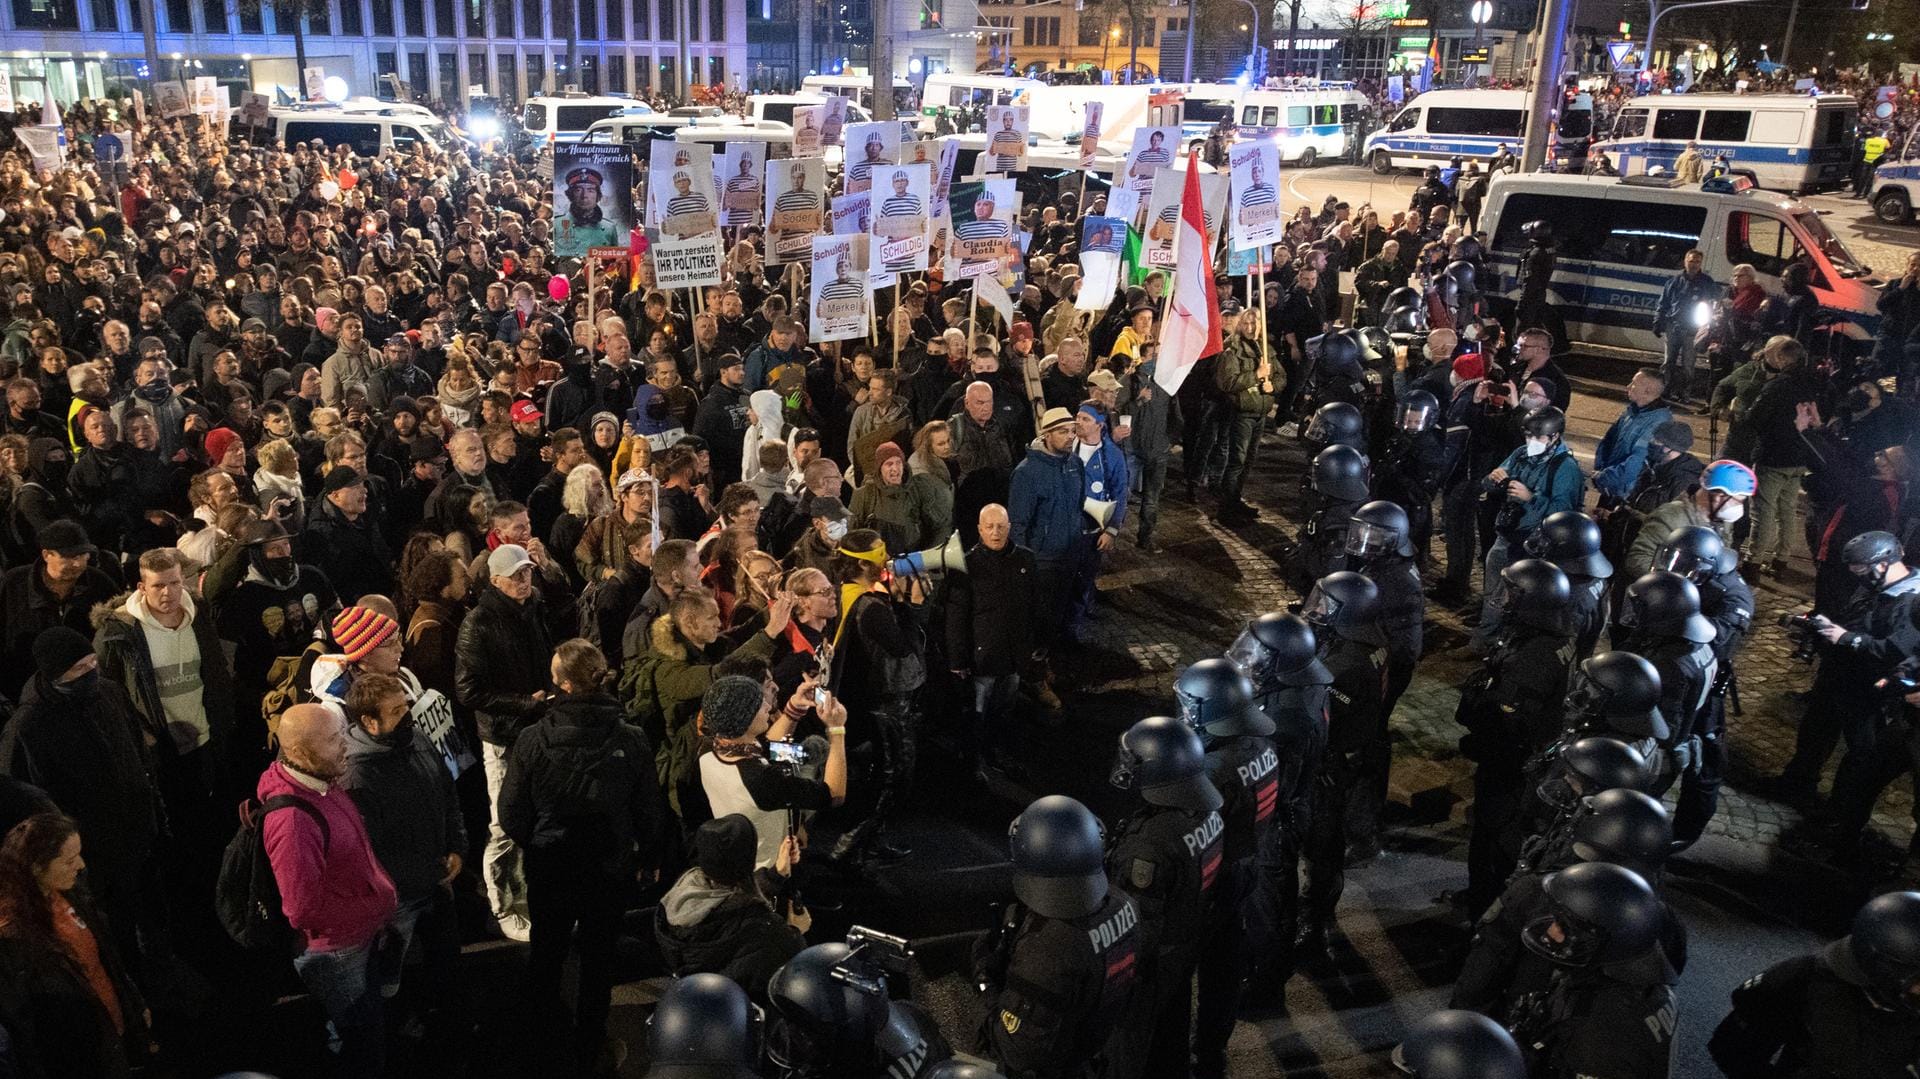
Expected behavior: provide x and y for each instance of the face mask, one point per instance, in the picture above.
(1531, 401)
(155, 390)
(836, 531)
(1731, 512)
(1537, 446)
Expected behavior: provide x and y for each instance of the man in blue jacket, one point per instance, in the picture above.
(1540, 478)
(1622, 452)
(1044, 502)
(1104, 465)
(1674, 319)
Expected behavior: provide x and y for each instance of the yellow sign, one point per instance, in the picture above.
(1010, 1021)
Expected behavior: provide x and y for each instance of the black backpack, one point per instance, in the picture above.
(247, 897)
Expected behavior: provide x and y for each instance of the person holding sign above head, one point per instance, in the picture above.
(585, 226)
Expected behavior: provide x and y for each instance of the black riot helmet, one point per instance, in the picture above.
(1625, 827)
(1468, 248)
(1337, 423)
(1875, 550)
(1216, 699)
(954, 1069)
(1363, 342)
(1606, 914)
(703, 1028)
(1340, 472)
(1537, 230)
(1447, 289)
(1692, 551)
(1059, 858)
(1535, 593)
(1405, 320)
(1571, 540)
(1163, 761)
(1343, 604)
(1618, 693)
(1377, 529)
(1590, 766)
(826, 1021)
(1884, 948)
(1463, 274)
(1340, 354)
(1666, 605)
(1419, 411)
(1402, 299)
(1279, 649)
(1545, 422)
(1459, 1045)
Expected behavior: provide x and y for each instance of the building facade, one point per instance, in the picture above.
(440, 49)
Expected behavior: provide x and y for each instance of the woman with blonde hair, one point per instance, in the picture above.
(277, 480)
(459, 389)
(583, 498)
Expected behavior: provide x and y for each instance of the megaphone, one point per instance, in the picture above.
(1100, 511)
(946, 558)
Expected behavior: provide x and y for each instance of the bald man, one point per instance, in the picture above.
(989, 634)
(332, 889)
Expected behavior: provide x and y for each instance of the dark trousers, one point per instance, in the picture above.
(1700, 784)
(1460, 521)
(1242, 438)
(1820, 731)
(1222, 969)
(1326, 847)
(1052, 585)
(1202, 453)
(572, 902)
(896, 740)
(1153, 482)
(1082, 590)
(1491, 852)
(1867, 769)
(1168, 1051)
(1273, 908)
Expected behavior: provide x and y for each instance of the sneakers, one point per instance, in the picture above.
(515, 926)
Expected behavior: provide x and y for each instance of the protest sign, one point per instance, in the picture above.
(592, 197)
(807, 139)
(1153, 148)
(840, 296)
(742, 167)
(870, 147)
(833, 121)
(1006, 138)
(900, 217)
(982, 242)
(680, 191)
(1256, 202)
(1090, 133)
(796, 208)
(170, 99)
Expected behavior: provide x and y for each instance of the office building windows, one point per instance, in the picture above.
(382, 17)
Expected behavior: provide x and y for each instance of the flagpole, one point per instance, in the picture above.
(893, 318)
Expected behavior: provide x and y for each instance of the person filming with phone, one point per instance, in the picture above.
(764, 778)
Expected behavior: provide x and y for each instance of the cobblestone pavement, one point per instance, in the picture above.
(1167, 610)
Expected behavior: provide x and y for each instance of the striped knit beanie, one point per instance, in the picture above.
(360, 630)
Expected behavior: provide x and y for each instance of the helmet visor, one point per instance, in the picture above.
(1415, 418)
(1124, 765)
(1365, 540)
(1683, 562)
(1321, 609)
(1247, 653)
(1585, 697)
(1560, 940)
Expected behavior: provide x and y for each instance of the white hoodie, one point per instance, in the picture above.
(176, 670)
(770, 422)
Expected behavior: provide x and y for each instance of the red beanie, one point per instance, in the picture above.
(219, 440)
(1470, 366)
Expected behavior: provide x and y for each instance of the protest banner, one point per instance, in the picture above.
(1007, 138)
(1090, 133)
(833, 121)
(206, 94)
(900, 217)
(43, 145)
(840, 297)
(807, 138)
(1256, 202)
(982, 213)
(592, 197)
(743, 168)
(796, 208)
(253, 109)
(313, 81)
(1153, 149)
(1102, 241)
(870, 147)
(170, 99)
(680, 193)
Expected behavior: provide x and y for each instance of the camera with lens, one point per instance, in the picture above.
(1900, 685)
(1496, 378)
(873, 958)
(1803, 632)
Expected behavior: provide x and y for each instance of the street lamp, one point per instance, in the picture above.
(1107, 43)
(1481, 13)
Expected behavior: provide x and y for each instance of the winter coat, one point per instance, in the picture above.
(703, 928)
(406, 797)
(1622, 452)
(352, 554)
(500, 662)
(1677, 300)
(931, 484)
(978, 447)
(1766, 436)
(722, 421)
(989, 610)
(1044, 502)
(88, 753)
(346, 368)
(889, 509)
(1555, 487)
(1741, 388)
(763, 358)
(56, 1025)
(1106, 479)
(670, 677)
(770, 424)
(1664, 521)
(122, 647)
(332, 887)
(581, 783)
(28, 609)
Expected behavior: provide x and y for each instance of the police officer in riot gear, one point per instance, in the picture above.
(1379, 545)
(1063, 975)
(1216, 699)
(1343, 611)
(1609, 1009)
(1571, 540)
(1511, 710)
(1459, 1045)
(702, 1029)
(1536, 276)
(1465, 278)
(1169, 854)
(1410, 470)
(1337, 423)
(1697, 553)
(1848, 1011)
(1578, 770)
(1338, 481)
(1280, 654)
(1621, 826)
(1339, 371)
(1616, 694)
(1662, 623)
(832, 1018)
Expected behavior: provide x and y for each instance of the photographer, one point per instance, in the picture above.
(1876, 633)
(1537, 480)
(722, 915)
(738, 776)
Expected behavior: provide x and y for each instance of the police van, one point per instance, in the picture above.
(1308, 125)
(1790, 142)
(567, 116)
(1896, 184)
(1619, 241)
(368, 130)
(1472, 125)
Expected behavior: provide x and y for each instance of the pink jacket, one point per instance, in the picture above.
(334, 892)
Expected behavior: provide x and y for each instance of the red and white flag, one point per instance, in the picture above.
(1191, 331)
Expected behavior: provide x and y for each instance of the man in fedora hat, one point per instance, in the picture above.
(1044, 504)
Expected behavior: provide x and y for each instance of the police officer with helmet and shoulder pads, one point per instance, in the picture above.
(1379, 545)
(1338, 481)
(1410, 470)
(703, 1028)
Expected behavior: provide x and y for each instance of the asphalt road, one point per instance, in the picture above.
(1883, 247)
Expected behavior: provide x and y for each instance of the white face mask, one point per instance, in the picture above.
(836, 530)
(1731, 512)
(1537, 446)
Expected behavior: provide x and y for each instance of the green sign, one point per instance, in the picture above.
(1414, 43)
(1393, 9)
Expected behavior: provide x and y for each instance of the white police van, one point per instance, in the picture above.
(1308, 124)
(1896, 184)
(1619, 241)
(567, 116)
(1790, 142)
(1471, 125)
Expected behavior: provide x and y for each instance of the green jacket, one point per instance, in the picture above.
(1741, 388)
(1236, 374)
(1664, 521)
(663, 688)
